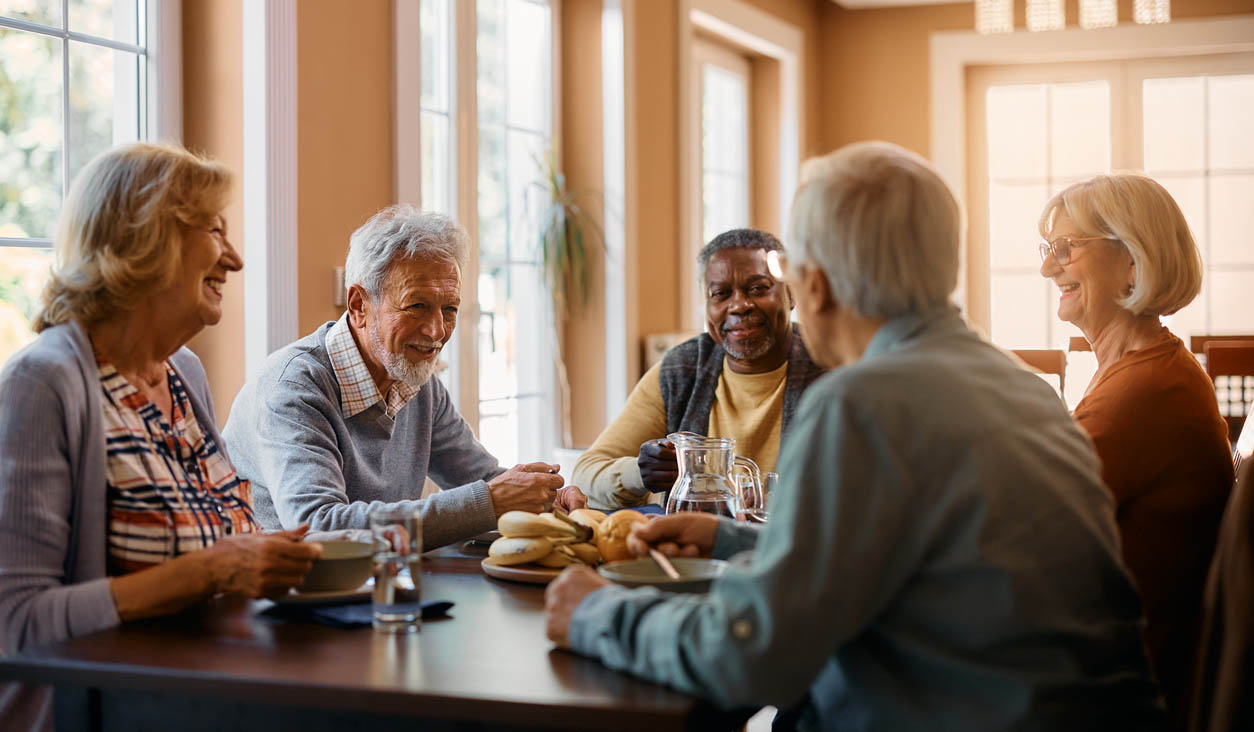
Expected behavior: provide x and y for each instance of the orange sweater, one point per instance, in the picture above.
(1166, 458)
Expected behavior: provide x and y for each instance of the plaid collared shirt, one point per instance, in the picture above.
(170, 489)
(357, 389)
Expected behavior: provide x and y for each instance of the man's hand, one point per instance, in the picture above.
(563, 595)
(659, 467)
(684, 534)
(570, 498)
(531, 487)
(261, 565)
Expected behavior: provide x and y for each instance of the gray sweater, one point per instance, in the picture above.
(53, 501)
(309, 463)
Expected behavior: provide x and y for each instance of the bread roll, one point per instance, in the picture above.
(611, 536)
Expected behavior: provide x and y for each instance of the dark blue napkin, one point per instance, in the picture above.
(648, 508)
(357, 615)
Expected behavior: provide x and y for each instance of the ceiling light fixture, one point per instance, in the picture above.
(1098, 13)
(994, 16)
(1151, 11)
(1045, 15)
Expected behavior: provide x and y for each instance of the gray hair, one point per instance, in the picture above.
(882, 225)
(397, 231)
(737, 239)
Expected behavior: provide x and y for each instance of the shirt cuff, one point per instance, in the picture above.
(629, 476)
(733, 538)
(594, 618)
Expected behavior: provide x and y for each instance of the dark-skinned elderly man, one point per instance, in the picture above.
(743, 378)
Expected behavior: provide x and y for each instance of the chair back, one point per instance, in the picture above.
(1224, 668)
(1079, 343)
(1047, 361)
(1230, 365)
(1197, 343)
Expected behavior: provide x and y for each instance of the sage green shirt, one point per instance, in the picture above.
(941, 555)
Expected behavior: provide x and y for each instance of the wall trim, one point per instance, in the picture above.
(743, 25)
(164, 47)
(269, 176)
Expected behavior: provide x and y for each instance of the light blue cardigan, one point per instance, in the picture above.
(53, 501)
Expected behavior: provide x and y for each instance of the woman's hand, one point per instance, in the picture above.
(261, 565)
(684, 534)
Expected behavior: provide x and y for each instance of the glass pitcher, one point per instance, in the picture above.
(705, 482)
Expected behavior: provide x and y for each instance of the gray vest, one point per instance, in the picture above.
(690, 374)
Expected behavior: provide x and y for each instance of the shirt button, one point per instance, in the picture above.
(742, 629)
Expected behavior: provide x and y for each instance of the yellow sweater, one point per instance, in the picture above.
(747, 407)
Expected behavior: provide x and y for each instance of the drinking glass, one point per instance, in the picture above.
(397, 594)
(760, 513)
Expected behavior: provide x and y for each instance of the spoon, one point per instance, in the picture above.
(665, 563)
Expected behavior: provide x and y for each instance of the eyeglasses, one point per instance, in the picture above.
(1061, 247)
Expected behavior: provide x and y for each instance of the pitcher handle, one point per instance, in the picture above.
(754, 500)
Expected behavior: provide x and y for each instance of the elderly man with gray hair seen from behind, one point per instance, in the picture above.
(349, 417)
(941, 553)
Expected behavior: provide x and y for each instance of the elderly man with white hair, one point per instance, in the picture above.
(348, 418)
(941, 553)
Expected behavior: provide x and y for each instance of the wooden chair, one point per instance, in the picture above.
(1079, 343)
(1197, 343)
(1224, 668)
(1047, 361)
(1230, 365)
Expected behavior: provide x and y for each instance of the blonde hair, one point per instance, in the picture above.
(883, 226)
(118, 238)
(1137, 212)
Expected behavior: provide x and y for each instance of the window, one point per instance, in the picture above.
(514, 53)
(439, 151)
(724, 140)
(1036, 130)
(72, 84)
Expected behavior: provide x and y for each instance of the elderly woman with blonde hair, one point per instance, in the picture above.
(117, 498)
(1120, 252)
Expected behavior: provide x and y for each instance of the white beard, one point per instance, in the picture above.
(399, 367)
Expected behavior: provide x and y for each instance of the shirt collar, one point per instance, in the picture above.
(904, 327)
(357, 388)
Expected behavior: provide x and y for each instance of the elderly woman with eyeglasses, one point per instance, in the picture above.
(1120, 252)
(117, 498)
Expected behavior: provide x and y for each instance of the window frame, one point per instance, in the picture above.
(158, 44)
(463, 357)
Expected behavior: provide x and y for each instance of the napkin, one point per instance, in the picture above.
(358, 615)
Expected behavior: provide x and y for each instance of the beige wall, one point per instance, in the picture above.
(582, 161)
(344, 138)
(213, 119)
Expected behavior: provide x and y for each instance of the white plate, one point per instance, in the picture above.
(337, 597)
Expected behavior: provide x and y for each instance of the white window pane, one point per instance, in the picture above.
(1232, 219)
(1232, 302)
(1021, 310)
(525, 152)
(104, 101)
(1017, 131)
(724, 204)
(1190, 195)
(436, 156)
(535, 420)
(1173, 136)
(30, 134)
(433, 24)
(497, 375)
(527, 73)
(493, 195)
(45, 12)
(532, 307)
(1191, 320)
(490, 60)
(115, 19)
(1013, 211)
(498, 430)
(724, 121)
(1231, 122)
(23, 271)
(1080, 130)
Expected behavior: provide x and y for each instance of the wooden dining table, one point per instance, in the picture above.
(229, 664)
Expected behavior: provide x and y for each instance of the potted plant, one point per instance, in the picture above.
(564, 233)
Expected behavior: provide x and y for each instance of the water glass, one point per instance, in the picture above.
(397, 594)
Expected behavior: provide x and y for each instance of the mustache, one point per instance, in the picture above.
(734, 321)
